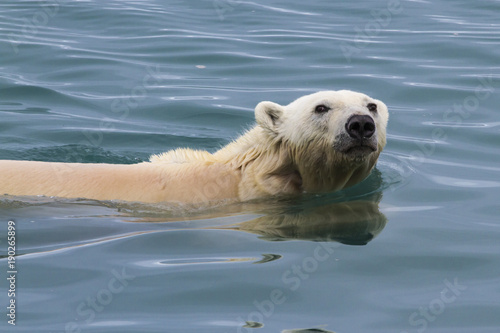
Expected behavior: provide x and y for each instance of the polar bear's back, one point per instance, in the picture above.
(183, 155)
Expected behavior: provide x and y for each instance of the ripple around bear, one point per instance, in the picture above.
(321, 142)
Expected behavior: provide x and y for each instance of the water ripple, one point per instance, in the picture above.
(191, 261)
(464, 183)
(282, 10)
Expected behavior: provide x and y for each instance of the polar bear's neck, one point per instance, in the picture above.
(266, 168)
(247, 148)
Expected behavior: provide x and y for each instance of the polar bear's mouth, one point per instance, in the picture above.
(360, 147)
(355, 147)
(359, 151)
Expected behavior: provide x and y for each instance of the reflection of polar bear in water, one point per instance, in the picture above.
(321, 142)
(352, 222)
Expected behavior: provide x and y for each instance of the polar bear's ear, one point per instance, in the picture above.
(269, 115)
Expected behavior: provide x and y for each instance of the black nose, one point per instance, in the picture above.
(360, 127)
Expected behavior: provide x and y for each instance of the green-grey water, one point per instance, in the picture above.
(414, 248)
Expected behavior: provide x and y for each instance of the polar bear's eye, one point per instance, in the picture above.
(372, 107)
(321, 109)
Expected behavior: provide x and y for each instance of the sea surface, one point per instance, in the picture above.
(413, 248)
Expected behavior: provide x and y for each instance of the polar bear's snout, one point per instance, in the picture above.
(359, 137)
(360, 127)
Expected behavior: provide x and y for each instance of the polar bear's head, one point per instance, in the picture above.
(334, 137)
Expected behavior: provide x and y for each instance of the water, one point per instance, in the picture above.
(414, 248)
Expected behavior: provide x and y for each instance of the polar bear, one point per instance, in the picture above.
(321, 142)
